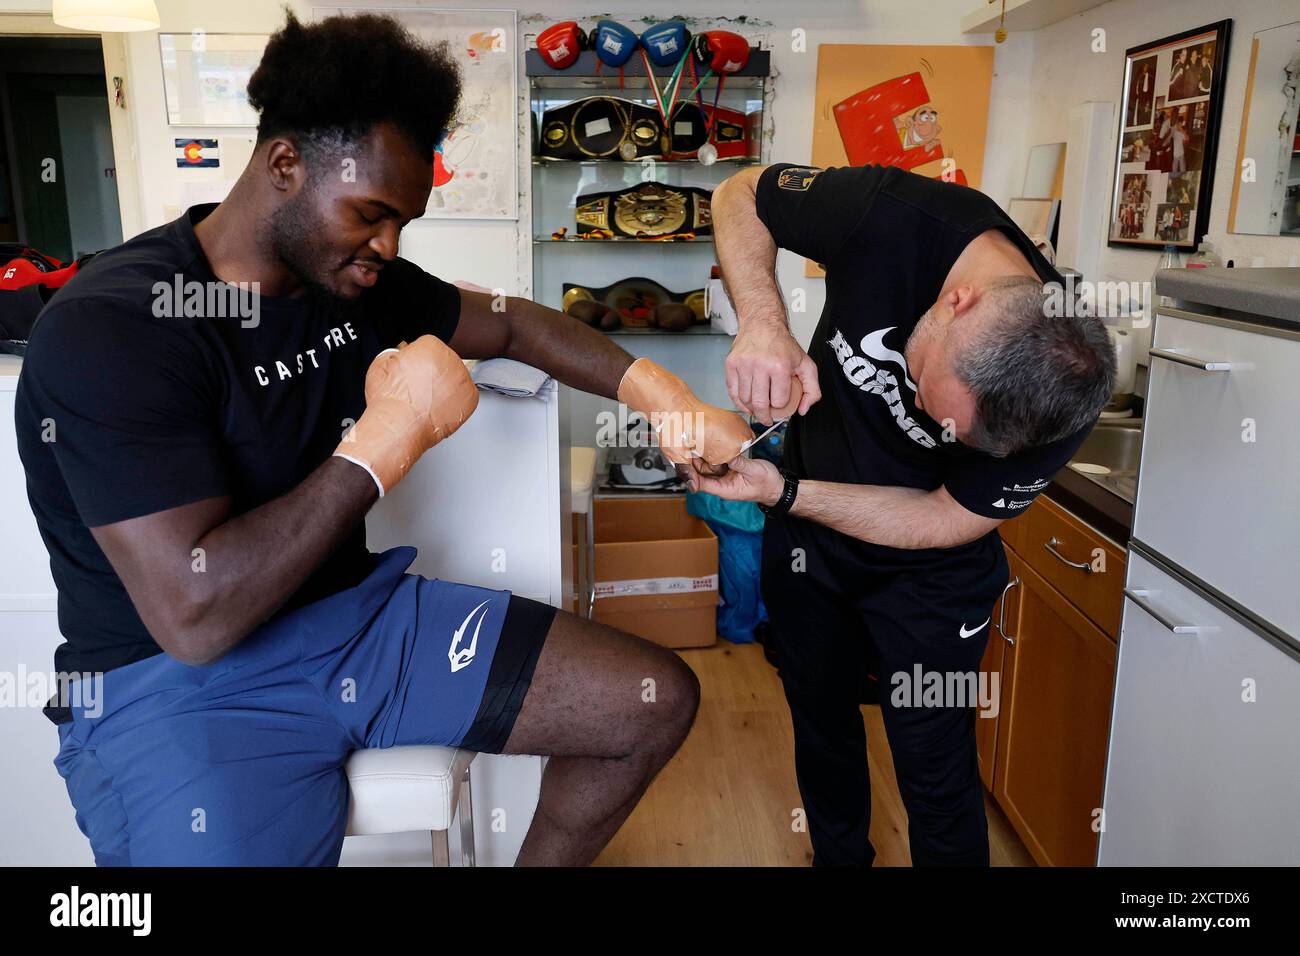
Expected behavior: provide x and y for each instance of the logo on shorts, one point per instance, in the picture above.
(973, 631)
(465, 656)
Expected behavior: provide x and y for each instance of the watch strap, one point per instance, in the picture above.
(786, 501)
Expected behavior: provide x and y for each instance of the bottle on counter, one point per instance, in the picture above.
(1204, 258)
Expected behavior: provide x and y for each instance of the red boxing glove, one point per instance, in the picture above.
(560, 44)
(725, 52)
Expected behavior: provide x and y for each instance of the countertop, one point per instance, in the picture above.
(1268, 293)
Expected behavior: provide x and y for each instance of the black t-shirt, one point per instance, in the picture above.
(887, 239)
(125, 408)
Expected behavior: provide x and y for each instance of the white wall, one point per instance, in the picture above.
(497, 254)
(1037, 78)
(1065, 72)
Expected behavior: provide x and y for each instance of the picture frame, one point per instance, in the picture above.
(1169, 116)
(1035, 216)
(205, 77)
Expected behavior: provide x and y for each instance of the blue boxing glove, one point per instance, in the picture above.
(613, 43)
(666, 42)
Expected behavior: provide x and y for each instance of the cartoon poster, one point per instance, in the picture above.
(476, 168)
(922, 108)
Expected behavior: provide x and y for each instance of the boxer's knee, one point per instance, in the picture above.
(676, 698)
(659, 707)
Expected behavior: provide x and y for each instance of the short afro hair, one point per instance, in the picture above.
(329, 83)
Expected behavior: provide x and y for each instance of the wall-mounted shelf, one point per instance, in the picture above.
(1023, 15)
(557, 185)
(547, 240)
(642, 162)
(540, 72)
(693, 330)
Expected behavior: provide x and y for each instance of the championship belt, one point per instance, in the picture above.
(647, 211)
(601, 127)
(635, 299)
(694, 125)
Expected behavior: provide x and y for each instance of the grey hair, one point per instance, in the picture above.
(1036, 376)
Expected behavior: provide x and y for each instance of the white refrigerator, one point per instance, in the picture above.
(1203, 765)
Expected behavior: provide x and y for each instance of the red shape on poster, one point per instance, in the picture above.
(868, 129)
(441, 174)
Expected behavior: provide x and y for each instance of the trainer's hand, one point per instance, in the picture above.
(416, 396)
(688, 428)
(747, 479)
(769, 375)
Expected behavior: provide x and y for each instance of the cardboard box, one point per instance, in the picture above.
(656, 571)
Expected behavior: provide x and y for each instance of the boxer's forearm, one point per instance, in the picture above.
(565, 349)
(746, 252)
(493, 326)
(890, 516)
(201, 580)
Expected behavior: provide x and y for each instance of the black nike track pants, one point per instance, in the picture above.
(920, 629)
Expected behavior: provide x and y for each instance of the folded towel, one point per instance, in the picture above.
(509, 377)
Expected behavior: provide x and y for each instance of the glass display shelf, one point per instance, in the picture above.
(640, 163)
(693, 330)
(698, 240)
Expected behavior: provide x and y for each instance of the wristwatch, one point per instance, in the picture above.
(786, 501)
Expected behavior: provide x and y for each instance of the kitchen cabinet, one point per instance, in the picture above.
(1057, 679)
(986, 728)
(1052, 646)
(1085, 567)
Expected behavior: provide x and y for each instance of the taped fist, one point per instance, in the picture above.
(416, 396)
(688, 428)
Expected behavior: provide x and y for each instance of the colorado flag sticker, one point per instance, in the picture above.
(197, 153)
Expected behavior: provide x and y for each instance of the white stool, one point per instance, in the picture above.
(400, 789)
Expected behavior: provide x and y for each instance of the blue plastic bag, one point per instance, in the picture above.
(739, 527)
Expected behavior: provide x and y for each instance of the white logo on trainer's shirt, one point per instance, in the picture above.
(465, 656)
(1013, 505)
(873, 345)
(869, 378)
(965, 633)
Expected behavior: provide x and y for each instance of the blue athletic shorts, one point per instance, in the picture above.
(240, 763)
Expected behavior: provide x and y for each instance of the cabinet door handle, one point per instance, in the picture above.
(1002, 612)
(1205, 365)
(1083, 566)
(1139, 597)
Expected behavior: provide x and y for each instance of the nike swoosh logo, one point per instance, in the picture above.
(873, 345)
(965, 633)
(465, 656)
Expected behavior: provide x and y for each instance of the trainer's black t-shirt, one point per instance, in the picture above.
(126, 407)
(887, 239)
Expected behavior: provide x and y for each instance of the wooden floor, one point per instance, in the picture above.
(729, 797)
